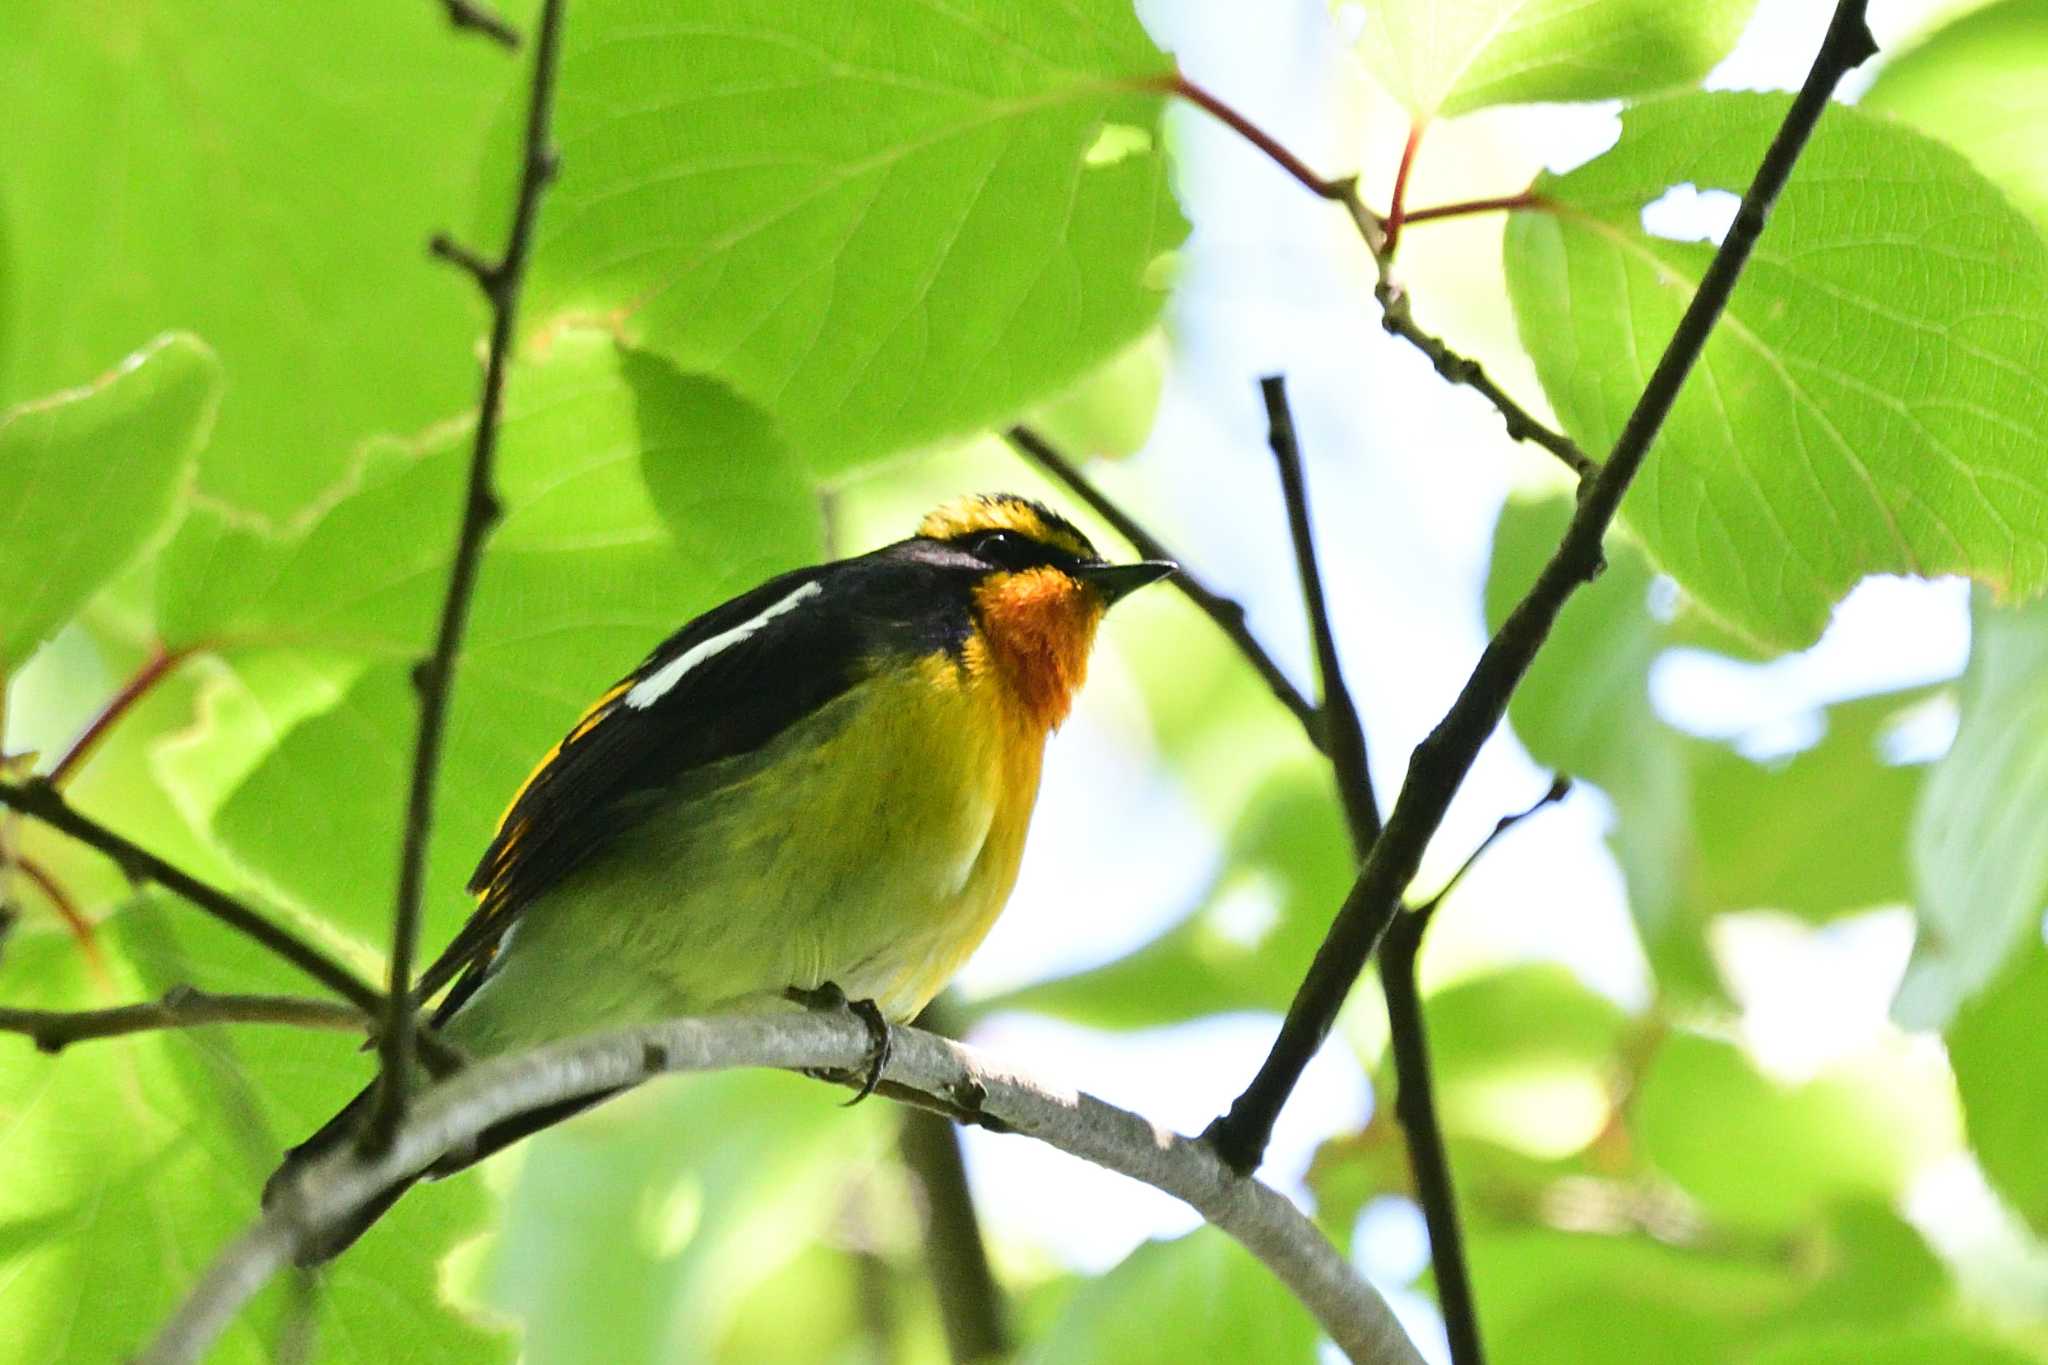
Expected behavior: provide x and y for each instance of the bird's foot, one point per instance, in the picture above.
(828, 996)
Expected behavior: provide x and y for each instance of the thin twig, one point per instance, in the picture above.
(1397, 208)
(450, 1115)
(1398, 318)
(469, 15)
(1456, 368)
(480, 512)
(66, 906)
(1415, 1100)
(39, 799)
(1465, 208)
(153, 671)
(1345, 735)
(1343, 190)
(1228, 615)
(182, 1007)
(1440, 763)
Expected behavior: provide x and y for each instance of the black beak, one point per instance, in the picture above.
(1117, 581)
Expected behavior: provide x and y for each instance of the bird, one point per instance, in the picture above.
(817, 791)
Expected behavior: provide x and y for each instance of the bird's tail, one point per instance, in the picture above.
(342, 1129)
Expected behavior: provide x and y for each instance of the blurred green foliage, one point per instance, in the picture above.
(791, 250)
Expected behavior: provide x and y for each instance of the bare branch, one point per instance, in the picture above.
(39, 799)
(1374, 230)
(1344, 734)
(467, 14)
(1228, 615)
(480, 512)
(153, 671)
(1415, 1099)
(181, 1007)
(1397, 318)
(453, 1113)
(1440, 763)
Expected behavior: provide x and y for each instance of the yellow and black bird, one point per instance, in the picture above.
(819, 788)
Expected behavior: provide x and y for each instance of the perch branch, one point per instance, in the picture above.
(454, 1112)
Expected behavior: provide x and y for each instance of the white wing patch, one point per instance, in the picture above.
(657, 684)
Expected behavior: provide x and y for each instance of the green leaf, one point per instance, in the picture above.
(1985, 794)
(885, 231)
(1821, 834)
(134, 1161)
(1450, 56)
(1567, 1298)
(1549, 1296)
(1915, 1346)
(1198, 1297)
(1977, 86)
(1584, 709)
(1769, 1157)
(267, 178)
(87, 478)
(1522, 1057)
(1794, 464)
(1110, 412)
(583, 577)
(1998, 1047)
(1287, 869)
(679, 1198)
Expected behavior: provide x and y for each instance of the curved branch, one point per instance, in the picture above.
(180, 1007)
(454, 1112)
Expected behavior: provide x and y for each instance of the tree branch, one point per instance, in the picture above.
(480, 512)
(154, 670)
(1415, 1099)
(452, 1113)
(39, 799)
(467, 14)
(1456, 368)
(1344, 734)
(1228, 615)
(972, 1306)
(181, 1007)
(1397, 317)
(1440, 763)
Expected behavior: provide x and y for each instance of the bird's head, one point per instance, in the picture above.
(1039, 592)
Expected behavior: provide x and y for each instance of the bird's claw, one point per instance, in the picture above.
(828, 996)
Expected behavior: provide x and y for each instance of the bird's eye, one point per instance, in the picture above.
(1001, 547)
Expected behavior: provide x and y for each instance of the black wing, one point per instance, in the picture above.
(629, 746)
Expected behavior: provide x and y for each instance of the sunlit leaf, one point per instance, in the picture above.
(1449, 56)
(1977, 86)
(1199, 1297)
(87, 478)
(266, 176)
(1985, 794)
(1760, 1154)
(1794, 464)
(887, 231)
(1998, 1046)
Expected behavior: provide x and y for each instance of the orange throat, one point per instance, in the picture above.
(1038, 625)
